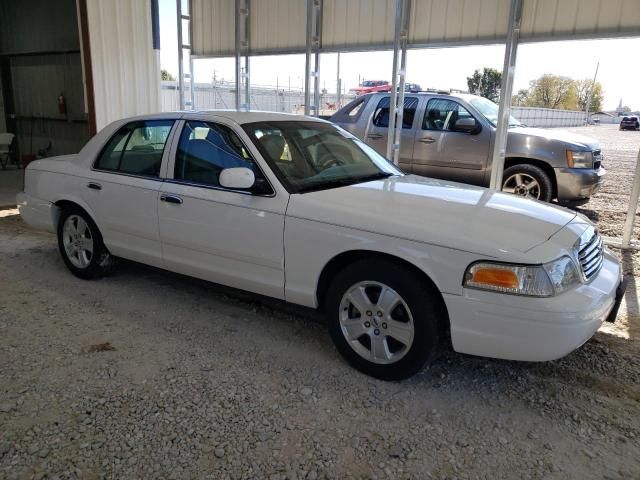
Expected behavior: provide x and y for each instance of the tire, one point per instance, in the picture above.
(528, 181)
(416, 318)
(81, 245)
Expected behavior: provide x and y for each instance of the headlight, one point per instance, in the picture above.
(579, 159)
(531, 280)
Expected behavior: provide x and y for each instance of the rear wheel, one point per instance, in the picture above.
(81, 245)
(384, 319)
(529, 181)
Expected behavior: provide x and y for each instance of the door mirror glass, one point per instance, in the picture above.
(467, 125)
(237, 178)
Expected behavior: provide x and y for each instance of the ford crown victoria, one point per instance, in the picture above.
(299, 209)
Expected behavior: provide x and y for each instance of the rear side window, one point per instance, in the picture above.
(351, 112)
(136, 149)
(205, 149)
(381, 114)
(442, 114)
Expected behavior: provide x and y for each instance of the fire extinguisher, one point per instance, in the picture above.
(62, 105)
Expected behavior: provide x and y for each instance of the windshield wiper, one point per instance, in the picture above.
(343, 182)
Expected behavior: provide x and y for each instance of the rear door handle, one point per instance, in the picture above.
(374, 136)
(94, 186)
(171, 199)
(427, 140)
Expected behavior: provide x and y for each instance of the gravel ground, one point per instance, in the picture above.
(147, 374)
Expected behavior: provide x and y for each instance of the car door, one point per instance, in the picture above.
(443, 150)
(377, 130)
(232, 237)
(122, 189)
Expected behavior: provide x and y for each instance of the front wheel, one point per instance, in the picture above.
(81, 245)
(529, 181)
(384, 319)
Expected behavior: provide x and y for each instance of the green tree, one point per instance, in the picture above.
(486, 84)
(584, 88)
(165, 75)
(552, 91)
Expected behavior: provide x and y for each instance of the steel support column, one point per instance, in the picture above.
(633, 207)
(182, 47)
(506, 89)
(313, 45)
(242, 51)
(180, 55)
(396, 100)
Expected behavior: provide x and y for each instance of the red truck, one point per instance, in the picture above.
(370, 86)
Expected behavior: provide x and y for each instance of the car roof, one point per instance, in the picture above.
(239, 117)
(464, 96)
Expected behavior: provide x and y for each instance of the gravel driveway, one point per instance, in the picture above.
(147, 374)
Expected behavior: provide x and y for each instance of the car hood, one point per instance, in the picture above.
(579, 141)
(438, 212)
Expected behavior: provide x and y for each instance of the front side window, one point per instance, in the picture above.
(205, 149)
(489, 110)
(309, 156)
(442, 114)
(381, 113)
(136, 148)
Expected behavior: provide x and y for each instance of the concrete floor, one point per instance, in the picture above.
(10, 185)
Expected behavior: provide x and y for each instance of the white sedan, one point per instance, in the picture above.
(298, 209)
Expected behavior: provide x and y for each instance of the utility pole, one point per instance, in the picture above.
(338, 85)
(590, 96)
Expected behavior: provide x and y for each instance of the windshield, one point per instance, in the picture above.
(309, 156)
(489, 110)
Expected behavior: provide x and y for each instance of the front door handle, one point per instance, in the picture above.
(171, 199)
(374, 136)
(94, 186)
(427, 140)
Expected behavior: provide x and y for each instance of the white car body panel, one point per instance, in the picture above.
(278, 245)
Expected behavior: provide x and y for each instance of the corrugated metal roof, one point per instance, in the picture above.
(278, 26)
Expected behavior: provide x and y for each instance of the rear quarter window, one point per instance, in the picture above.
(351, 112)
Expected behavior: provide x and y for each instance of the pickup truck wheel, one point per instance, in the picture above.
(81, 245)
(383, 319)
(528, 181)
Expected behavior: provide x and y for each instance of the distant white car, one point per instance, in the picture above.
(298, 209)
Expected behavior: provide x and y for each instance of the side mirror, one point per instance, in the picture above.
(237, 178)
(467, 125)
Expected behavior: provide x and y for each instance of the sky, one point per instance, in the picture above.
(444, 68)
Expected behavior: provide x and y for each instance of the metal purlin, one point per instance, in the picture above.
(313, 46)
(399, 73)
(243, 52)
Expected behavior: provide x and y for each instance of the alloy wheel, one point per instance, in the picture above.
(376, 322)
(522, 184)
(77, 241)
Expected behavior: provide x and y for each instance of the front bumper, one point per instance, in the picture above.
(532, 329)
(578, 184)
(37, 213)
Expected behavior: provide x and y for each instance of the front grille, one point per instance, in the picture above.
(591, 255)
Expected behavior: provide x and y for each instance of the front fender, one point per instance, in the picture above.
(311, 245)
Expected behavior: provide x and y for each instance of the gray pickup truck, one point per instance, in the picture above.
(451, 137)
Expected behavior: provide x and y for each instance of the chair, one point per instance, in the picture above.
(7, 150)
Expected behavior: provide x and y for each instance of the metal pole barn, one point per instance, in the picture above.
(506, 89)
(242, 42)
(312, 46)
(180, 53)
(396, 99)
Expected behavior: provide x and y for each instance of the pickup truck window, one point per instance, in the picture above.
(442, 114)
(381, 113)
(136, 148)
(351, 112)
(205, 149)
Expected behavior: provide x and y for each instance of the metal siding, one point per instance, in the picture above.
(29, 26)
(356, 25)
(278, 24)
(213, 23)
(126, 69)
